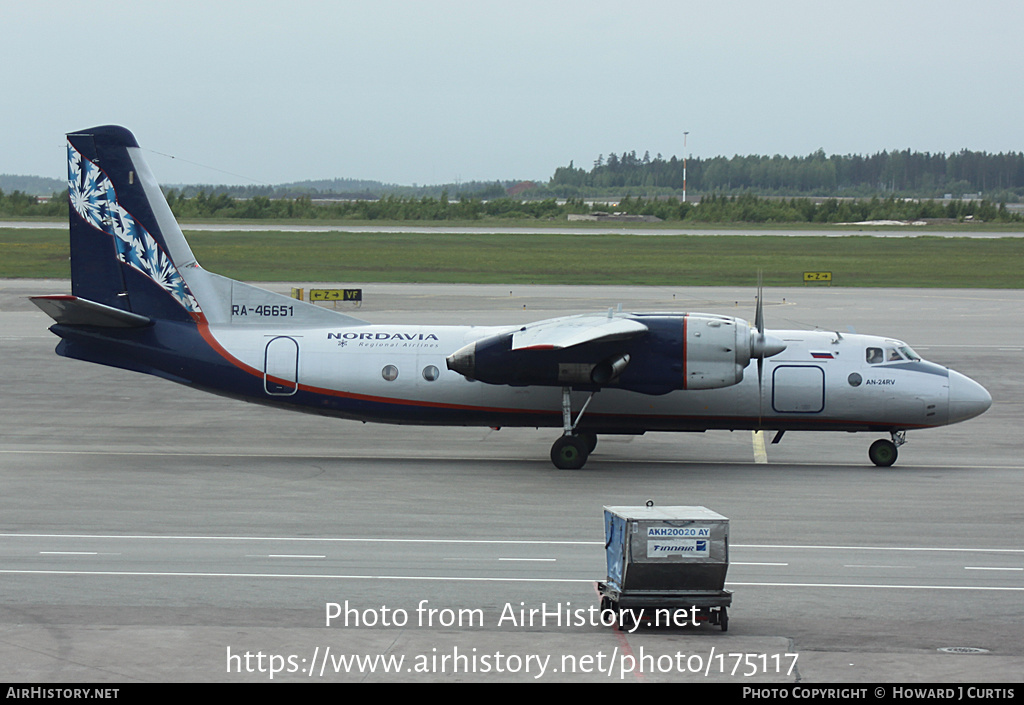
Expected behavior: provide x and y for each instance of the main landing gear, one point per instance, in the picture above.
(883, 453)
(571, 450)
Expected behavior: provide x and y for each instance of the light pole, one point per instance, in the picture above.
(684, 166)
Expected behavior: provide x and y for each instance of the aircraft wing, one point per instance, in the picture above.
(569, 331)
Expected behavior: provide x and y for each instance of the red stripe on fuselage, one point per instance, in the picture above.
(204, 330)
(740, 421)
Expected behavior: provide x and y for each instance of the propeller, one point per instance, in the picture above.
(761, 345)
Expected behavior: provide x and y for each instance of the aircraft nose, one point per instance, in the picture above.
(967, 398)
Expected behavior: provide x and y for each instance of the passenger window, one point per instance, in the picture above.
(390, 373)
(874, 356)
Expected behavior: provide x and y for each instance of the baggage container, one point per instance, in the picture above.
(667, 558)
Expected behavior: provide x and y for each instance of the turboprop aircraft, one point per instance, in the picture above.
(140, 301)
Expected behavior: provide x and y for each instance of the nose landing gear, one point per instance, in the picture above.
(883, 453)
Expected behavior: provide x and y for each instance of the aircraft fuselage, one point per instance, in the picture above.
(393, 373)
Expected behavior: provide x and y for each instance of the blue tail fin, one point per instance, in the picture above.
(120, 255)
(128, 252)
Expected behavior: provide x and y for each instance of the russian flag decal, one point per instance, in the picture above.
(822, 356)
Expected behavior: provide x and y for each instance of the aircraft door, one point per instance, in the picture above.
(798, 389)
(281, 366)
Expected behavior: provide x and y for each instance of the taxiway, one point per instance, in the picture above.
(154, 533)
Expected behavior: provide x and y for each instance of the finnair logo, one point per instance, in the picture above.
(677, 547)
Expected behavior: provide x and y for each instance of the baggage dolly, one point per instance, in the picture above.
(666, 608)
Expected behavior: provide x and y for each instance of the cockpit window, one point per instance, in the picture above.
(895, 353)
(909, 353)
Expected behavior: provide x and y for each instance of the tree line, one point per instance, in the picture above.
(19, 204)
(714, 208)
(997, 176)
(389, 207)
(748, 208)
(743, 208)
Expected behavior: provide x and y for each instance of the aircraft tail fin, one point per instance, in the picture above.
(121, 256)
(128, 252)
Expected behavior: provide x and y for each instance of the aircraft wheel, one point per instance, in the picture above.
(883, 453)
(590, 438)
(569, 453)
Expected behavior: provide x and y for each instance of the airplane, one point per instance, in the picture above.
(140, 301)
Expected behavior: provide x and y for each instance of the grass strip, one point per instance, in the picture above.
(681, 260)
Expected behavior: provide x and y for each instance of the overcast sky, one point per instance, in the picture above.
(431, 92)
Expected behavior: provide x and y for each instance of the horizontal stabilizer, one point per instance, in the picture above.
(73, 311)
(558, 333)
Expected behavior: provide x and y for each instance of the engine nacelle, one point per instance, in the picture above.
(716, 350)
(677, 351)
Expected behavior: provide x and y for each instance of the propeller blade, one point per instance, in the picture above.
(762, 346)
(760, 392)
(759, 313)
(759, 324)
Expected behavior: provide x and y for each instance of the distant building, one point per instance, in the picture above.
(514, 191)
